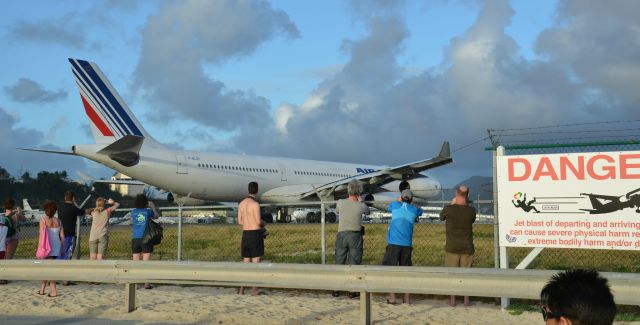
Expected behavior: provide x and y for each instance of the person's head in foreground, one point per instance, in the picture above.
(407, 196)
(140, 202)
(462, 195)
(252, 188)
(354, 188)
(577, 297)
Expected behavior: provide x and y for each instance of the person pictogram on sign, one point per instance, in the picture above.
(524, 205)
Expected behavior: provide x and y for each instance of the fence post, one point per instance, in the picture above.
(496, 238)
(323, 234)
(179, 258)
(76, 247)
(501, 252)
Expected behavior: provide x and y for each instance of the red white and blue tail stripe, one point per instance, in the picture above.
(110, 117)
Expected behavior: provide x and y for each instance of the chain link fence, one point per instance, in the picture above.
(212, 234)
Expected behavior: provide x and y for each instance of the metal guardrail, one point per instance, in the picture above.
(525, 284)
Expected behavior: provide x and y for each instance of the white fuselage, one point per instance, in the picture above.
(224, 177)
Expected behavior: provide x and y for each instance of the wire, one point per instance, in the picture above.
(470, 144)
(565, 125)
(628, 137)
(571, 132)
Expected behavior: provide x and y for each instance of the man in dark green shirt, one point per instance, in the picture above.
(459, 218)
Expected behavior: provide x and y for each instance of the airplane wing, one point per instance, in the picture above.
(375, 179)
(120, 181)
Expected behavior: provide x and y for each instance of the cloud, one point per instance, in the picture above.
(67, 30)
(29, 91)
(16, 161)
(57, 125)
(600, 43)
(370, 112)
(181, 38)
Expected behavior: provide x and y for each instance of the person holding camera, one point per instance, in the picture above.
(253, 233)
(99, 235)
(400, 236)
(140, 216)
(349, 240)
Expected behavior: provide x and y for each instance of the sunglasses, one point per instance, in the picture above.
(548, 314)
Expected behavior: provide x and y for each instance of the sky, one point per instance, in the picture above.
(376, 82)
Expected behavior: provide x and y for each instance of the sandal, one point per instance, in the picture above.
(391, 303)
(49, 295)
(41, 293)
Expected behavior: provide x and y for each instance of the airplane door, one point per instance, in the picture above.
(181, 161)
(283, 173)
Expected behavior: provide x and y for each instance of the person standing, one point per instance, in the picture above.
(56, 239)
(349, 239)
(252, 245)
(14, 216)
(68, 213)
(99, 235)
(140, 216)
(400, 236)
(3, 238)
(459, 249)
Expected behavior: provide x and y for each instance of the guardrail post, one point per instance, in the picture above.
(365, 308)
(323, 234)
(130, 297)
(179, 258)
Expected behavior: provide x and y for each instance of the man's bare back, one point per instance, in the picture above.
(249, 214)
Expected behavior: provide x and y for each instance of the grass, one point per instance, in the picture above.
(300, 243)
(518, 308)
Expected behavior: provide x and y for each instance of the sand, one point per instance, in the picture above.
(214, 305)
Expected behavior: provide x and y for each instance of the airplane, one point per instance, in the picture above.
(122, 144)
(30, 213)
(613, 203)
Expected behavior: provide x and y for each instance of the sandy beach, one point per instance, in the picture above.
(213, 305)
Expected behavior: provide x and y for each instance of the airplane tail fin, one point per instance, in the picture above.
(109, 116)
(25, 205)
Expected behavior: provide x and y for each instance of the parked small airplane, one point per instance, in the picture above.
(124, 145)
(30, 213)
(613, 203)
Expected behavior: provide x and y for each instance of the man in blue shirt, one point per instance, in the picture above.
(140, 216)
(400, 235)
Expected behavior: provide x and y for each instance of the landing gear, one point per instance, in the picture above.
(313, 217)
(331, 217)
(283, 216)
(316, 217)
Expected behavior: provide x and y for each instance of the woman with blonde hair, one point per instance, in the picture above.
(56, 241)
(99, 235)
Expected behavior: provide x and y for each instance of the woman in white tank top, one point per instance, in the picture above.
(56, 239)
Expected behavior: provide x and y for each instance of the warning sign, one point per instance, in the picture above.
(583, 200)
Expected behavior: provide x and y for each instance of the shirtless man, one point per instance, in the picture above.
(252, 246)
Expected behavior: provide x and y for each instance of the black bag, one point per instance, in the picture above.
(152, 234)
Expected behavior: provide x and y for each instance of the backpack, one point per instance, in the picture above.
(152, 234)
(8, 222)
